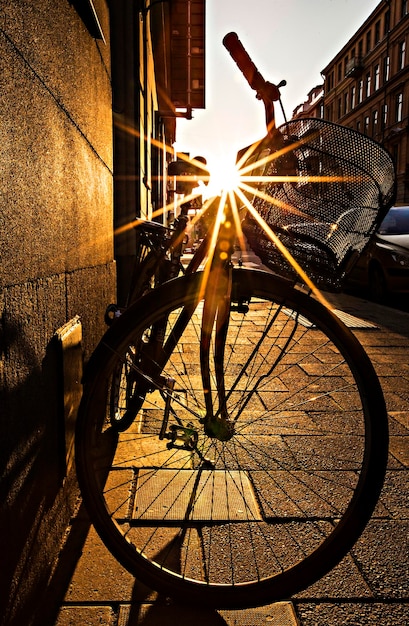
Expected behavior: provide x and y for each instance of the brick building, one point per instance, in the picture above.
(89, 91)
(313, 106)
(366, 86)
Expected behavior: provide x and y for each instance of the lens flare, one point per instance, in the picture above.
(224, 175)
(222, 180)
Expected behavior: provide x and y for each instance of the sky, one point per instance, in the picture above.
(286, 39)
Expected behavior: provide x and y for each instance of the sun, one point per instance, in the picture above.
(224, 175)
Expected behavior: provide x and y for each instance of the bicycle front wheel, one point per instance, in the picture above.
(254, 519)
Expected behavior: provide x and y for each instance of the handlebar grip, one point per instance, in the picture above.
(243, 61)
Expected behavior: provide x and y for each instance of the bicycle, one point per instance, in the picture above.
(232, 437)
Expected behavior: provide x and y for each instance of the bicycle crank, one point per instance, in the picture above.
(182, 437)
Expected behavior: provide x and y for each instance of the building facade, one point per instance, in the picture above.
(89, 91)
(313, 106)
(57, 269)
(366, 86)
(158, 74)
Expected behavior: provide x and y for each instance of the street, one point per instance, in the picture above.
(369, 586)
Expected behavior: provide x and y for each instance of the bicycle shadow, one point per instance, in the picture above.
(164, 614)
(163, 611)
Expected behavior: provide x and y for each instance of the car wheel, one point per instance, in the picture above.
(377, 284)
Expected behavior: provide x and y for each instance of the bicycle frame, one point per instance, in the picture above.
(217, 301)
(217, 288)
(256, 441)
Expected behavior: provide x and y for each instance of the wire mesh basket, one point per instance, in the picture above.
(345, 186)
(149, 236)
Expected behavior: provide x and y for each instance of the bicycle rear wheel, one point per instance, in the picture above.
(257, 518)
(125, 397)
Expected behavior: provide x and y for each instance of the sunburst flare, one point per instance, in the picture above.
(239, 184)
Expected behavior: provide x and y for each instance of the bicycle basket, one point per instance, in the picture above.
(325, 219)
(149, 236)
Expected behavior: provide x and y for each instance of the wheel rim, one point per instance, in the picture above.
(244, 516)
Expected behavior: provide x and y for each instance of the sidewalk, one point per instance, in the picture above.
(370, 586)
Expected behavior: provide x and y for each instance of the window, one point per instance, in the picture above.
(374, 123)
(360, 91)
(387, 22)
(368, 41)
(360, 48)
(384, 115)
(339, 72)
(345, 103)
(386, 69)
(377, 31)
(368, 85)
(339, 107)
(376, 77)
(398, 107)
(404, 8)
(366, 124)
(331, 80)
(401, 54)
(358, 126)
(353, 95)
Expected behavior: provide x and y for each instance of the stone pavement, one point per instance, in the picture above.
(369, 587)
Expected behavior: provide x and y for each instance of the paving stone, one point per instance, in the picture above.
(344, 581)
(399, 422)
(98, 576)
(382, 555)
(277, 614)
(399, 447)
(369, 587)
(352, 614)
(393, 497)
(86, 616)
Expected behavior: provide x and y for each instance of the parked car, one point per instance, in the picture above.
(383, 267)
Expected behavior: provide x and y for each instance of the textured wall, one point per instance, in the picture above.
(56, 262)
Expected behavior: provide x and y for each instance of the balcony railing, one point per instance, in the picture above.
(354, 67)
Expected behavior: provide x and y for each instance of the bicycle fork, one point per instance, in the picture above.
(216, 313)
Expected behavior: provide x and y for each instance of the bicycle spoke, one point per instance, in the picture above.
(259, 505)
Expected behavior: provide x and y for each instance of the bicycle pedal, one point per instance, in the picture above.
(240, 307)
(181, 437)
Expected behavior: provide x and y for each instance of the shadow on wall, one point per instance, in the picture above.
(36, 496)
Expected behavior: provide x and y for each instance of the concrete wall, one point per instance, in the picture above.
(56, 262)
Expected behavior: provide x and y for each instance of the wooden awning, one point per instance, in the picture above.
(187, 47)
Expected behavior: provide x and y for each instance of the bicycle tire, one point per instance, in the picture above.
(125, 401)
(274, 508)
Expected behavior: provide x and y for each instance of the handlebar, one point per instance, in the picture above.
(269, 93)
(265, 90)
